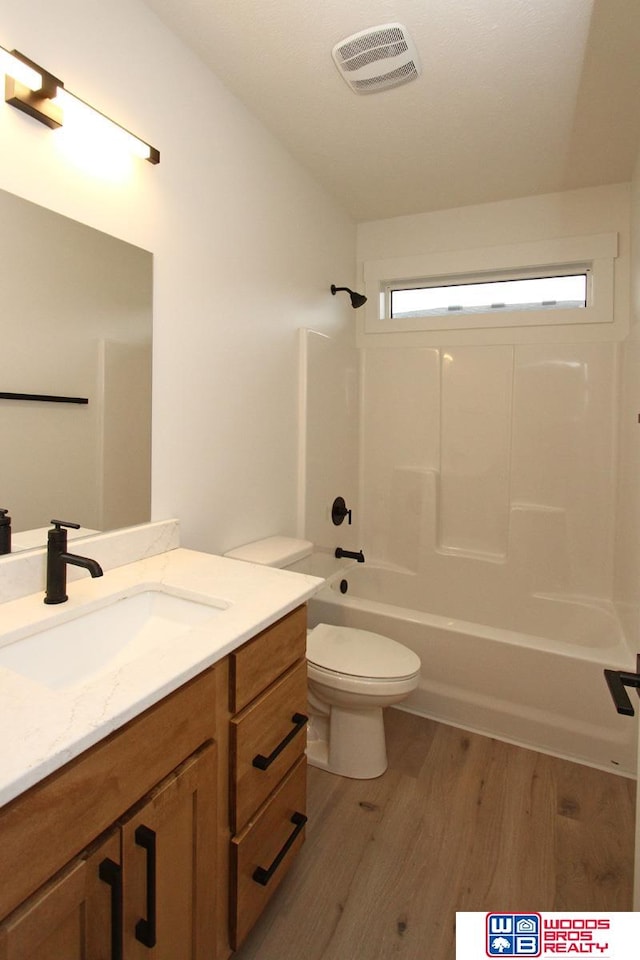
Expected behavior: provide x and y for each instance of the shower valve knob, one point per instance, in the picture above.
(339, 511)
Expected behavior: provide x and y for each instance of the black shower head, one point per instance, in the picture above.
(357, 299)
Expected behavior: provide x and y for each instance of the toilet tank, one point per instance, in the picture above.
(273, 551)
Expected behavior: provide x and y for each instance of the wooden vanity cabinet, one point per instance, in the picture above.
(147, 846)
(146, 886)
(139, 891)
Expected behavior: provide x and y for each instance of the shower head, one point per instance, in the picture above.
(357, 299)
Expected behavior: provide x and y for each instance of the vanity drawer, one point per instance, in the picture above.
(263, 853)
(271, 732)
(260, 661)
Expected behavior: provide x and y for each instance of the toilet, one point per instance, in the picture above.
(352, 674)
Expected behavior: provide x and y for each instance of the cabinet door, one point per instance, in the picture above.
(77, 916)
(168, 851)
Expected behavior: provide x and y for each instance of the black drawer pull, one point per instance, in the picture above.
(262, 762)
(111, 873)
(146, 929)
(262, 875)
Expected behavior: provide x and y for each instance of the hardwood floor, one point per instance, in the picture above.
(458, 822)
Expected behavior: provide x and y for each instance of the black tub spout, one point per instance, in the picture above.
(351, 554)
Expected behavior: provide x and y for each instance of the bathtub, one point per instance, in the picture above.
(535, 678)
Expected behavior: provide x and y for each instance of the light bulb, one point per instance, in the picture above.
(20, 71)
(95, 125)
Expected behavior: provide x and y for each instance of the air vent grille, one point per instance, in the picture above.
(401, 75)
(372, 56)
(375, 38)
(377, 58)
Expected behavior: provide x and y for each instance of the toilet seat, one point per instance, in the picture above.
(358, 655)
(362, 686)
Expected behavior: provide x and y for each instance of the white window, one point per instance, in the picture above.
(488, 294)
(555, 282)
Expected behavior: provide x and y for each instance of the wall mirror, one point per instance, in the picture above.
(77, 325)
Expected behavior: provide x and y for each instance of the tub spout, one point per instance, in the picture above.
(351, 554)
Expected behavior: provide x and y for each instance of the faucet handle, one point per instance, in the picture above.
(58, 524)
(339, 511)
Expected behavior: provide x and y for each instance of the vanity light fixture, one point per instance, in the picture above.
(357, 299)
(20, 70)
(41, 95)
(30, 88)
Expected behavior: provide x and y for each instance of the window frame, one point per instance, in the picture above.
(591, 255)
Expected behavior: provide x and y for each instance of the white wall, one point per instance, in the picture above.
(627, 555)
(627, 571)
(245, 247)
(488, 460)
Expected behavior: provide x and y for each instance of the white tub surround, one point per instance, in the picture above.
(489, 469)
(46, 727)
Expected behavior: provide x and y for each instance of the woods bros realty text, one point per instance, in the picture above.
(537, 935)
(575, 936)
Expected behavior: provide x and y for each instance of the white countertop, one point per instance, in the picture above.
(43, 728)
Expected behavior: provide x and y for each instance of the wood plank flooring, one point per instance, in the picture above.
(458, 822)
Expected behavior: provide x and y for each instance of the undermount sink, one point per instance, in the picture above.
(123, 630)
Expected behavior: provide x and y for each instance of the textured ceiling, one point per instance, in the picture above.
(516, 97)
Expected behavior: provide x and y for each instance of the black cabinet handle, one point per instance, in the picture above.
(146, 929)
(111, 873)
(262, 875)
(262, 762)
(617, 680)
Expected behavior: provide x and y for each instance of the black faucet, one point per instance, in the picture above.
(5, 532)
(351, 554)
(57, 560)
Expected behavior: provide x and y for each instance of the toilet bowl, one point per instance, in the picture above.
(352, 675)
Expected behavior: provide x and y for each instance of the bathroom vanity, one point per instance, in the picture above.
(82, 850)
(164, 835)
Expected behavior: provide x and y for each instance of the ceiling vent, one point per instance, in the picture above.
(377, 58)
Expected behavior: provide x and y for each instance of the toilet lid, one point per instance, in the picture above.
(360, 653)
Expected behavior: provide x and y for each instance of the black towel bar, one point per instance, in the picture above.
(42, 396)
